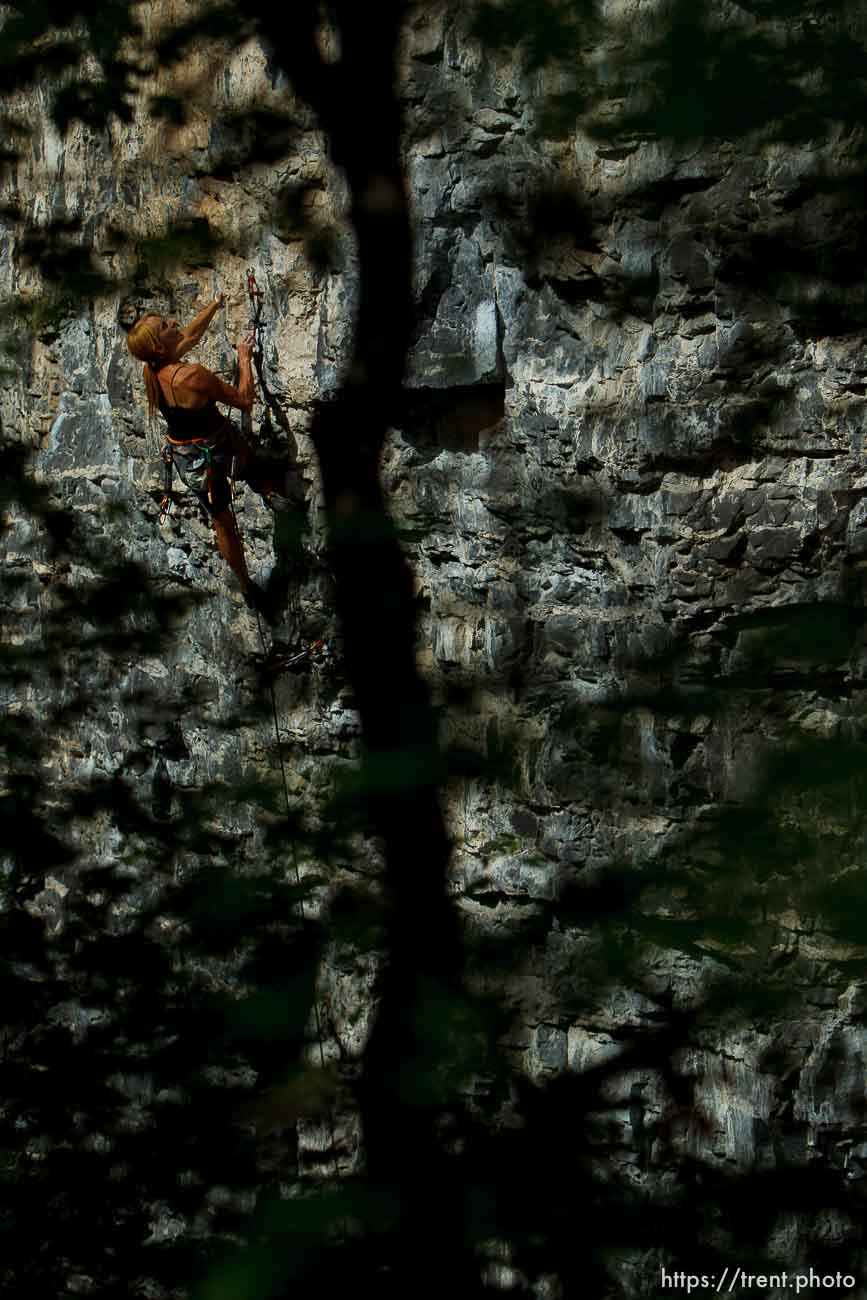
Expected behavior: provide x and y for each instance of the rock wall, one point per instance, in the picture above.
(631, 488)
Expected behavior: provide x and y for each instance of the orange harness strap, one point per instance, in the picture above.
(187, 442)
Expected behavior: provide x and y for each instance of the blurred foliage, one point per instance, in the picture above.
(263, 134)
(48, 41)
(546, 34)
(121, 1008)
(41, 317)
(61, 259)
(184, 243)
(231, 23)
(787, 68)
(68, 272)
(159, 994)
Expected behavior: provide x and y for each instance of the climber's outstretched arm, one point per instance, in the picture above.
(200, 380)
(193, 332)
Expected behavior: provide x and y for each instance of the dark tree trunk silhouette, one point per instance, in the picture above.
(356, 102)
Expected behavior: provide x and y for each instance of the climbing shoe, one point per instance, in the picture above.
(278, 504)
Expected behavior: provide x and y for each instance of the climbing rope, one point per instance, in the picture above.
(332, 1133)
(266, 429)
(257, 325)
(314, 651)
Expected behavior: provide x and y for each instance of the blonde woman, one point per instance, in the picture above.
(204, 443)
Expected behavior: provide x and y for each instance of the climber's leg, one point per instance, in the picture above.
(219, 506)
(231, 547)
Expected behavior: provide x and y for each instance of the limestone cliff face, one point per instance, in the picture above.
(630, 484)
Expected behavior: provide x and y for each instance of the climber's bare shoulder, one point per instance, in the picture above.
(198, 379)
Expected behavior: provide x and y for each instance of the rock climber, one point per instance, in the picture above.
(206, 448)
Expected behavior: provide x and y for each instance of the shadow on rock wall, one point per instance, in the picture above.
(160, 985)
(161, 982)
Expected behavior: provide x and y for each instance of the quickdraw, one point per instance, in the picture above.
(318, 651)
(271, 664)
(167, 503)
(255, 295)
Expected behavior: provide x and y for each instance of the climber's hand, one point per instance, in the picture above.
(245, 347)
(220, 300)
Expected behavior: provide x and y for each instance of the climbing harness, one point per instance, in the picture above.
(202, 448)
(198, 450)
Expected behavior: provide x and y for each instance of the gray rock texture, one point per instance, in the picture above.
(631, 487)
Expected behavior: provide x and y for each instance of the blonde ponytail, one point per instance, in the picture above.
(142, 343)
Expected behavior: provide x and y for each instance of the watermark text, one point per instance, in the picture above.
(725, 1282)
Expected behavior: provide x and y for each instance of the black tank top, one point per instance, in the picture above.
(184, 425)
